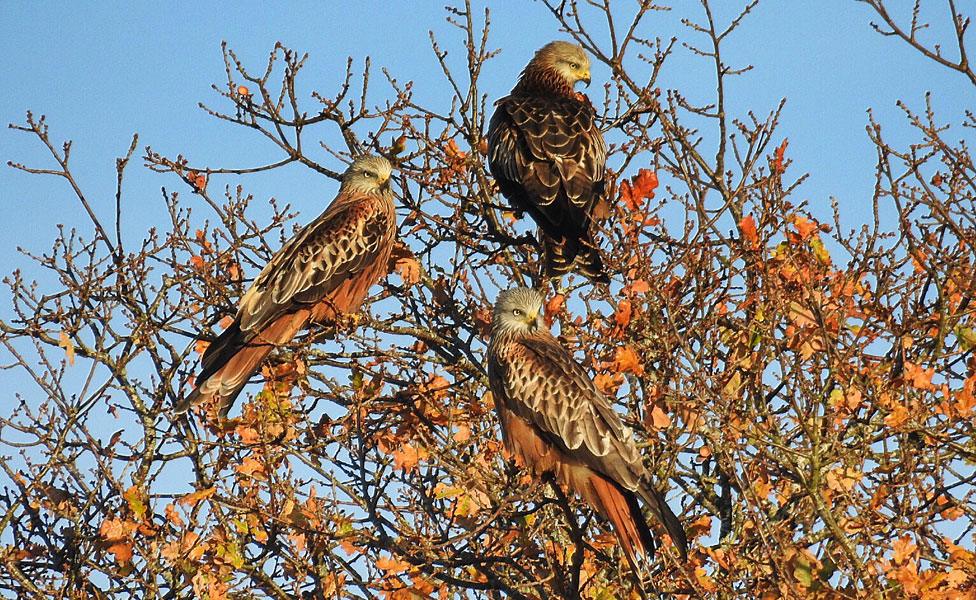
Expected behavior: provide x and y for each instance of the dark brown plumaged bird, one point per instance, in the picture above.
(556, 422)
(321, 273)
(548, 156)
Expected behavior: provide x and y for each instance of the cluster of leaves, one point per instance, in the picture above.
(810, 391)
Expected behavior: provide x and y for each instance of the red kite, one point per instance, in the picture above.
(321, 273)
(556, 422)
(548, 156)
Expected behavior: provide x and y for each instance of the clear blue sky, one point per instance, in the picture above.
(105, 70)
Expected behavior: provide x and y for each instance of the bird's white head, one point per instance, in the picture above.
(518, 309)
(568, 60)
(367, 175)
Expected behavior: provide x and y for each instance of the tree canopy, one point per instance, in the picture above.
(805, 384)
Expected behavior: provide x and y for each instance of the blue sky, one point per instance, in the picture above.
(105, 70)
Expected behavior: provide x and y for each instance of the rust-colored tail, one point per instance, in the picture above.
(620, 507)
(235, 355)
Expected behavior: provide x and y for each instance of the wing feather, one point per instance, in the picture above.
(337, 245)
(552, 147)
(541, 382)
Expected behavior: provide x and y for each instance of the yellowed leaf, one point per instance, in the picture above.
(69, 348)
(407, 457)
(659, 419)
(192, 499)
(393, 565)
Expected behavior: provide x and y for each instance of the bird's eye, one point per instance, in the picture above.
(369, 174)
(574, 65)
(516, 312)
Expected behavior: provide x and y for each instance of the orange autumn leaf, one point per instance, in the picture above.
(251, 467)
(243, 91)
(658, 418)
(778, 161)
(453, 151)
(173, 516)
(553, 307)
(919, 377)
(226, 322)
(197, 180)
(625, 360)
(843, 479)
(117, 535)
(393, 565)
(645, 183)
(201, 346)
(196, 261)
(408, 268)
(640, 287)
(897, 417)
(805, 227)
(122, 550)
(904, 549)
(194, 498)
(407, 457)
(634, 191)
(64, 341)
(749, 232)
(701, 526)
(607, 383)
(462, 434)
(234, 272)
(399, 145)
(621, 316)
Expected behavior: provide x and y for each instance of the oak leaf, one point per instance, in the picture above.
(69, 348)
(658, 418)
(625, 360)
(407, 457)
(408, 268)
(749, 232)
(393, 565)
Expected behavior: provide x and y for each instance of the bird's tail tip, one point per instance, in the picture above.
(620, 507)
(676, 531)
(183, 405)
(566, 255)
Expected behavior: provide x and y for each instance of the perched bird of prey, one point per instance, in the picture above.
(548, 156)
(321, 273)
(556, 422)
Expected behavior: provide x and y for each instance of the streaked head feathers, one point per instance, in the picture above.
(566, 59)
(518, 309)
(366, 175)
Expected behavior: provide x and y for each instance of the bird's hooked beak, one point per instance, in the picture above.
(586, 78)
(533, 319)
(385, 184)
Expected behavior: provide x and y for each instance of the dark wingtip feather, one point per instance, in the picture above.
(659, 506)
